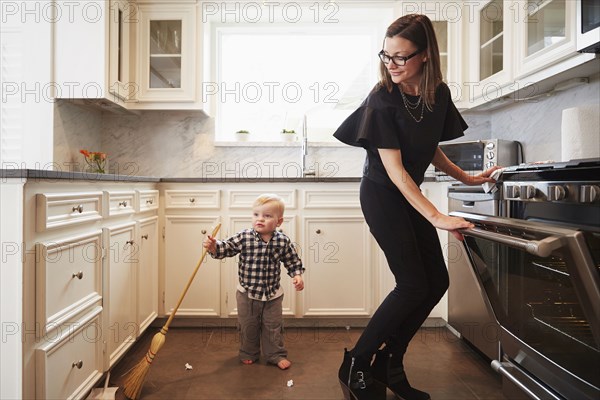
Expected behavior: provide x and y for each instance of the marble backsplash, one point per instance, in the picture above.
(181, 143)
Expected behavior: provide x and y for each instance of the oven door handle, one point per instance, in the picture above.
(504, 368)
(540, 248)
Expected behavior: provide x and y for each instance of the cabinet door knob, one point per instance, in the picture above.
(130, 242)
(123, 203)
(318, 231)
(203, 231)
(145, 236)
(78, 275)
(79, 209)
(149, 201)
(192, 200)
(78, 364)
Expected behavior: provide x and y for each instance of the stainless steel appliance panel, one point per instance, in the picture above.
(543, 284)
(469, 312)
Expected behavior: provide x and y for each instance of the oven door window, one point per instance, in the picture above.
(544, 296)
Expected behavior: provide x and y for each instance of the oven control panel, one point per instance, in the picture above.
(568, 192)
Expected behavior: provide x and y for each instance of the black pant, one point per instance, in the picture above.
(414, 255)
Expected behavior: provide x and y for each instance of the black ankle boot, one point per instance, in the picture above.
(356, 380)
(389, 370)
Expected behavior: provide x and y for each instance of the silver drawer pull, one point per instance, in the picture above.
(123, 203)
(78, 364)
(192, 200)
(78, 275)
(149, 201)
(79, 209)
(145, 236)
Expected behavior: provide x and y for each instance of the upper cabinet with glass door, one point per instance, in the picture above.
(515, 45)
(545, 33)
(168, 47)
(488, 37)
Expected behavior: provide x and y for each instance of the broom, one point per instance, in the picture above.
(135, 379)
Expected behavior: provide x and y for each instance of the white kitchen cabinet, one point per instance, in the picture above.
(545, 33)
(68, 279)
(168, 48)
(69, 365)
(183, 247)
(339, 261)
(84, 301)
(92, 50)
(337, 255)
(488, 57)
(517, 50)
(147, 273)
(120, 292)
(122, 18)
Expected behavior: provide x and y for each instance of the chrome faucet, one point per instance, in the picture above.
(305, 171)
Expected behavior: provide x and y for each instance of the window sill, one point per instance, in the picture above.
(276, 144)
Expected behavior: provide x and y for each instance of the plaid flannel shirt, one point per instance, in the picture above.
(258, 268)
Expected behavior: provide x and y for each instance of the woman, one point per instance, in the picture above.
(400, 125)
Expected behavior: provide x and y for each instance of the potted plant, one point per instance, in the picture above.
(242, 135)
(288, 135)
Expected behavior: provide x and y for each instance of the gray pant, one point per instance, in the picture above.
(260, 322)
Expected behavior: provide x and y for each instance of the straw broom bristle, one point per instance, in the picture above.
(132, 387)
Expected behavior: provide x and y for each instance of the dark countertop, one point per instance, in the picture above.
(36, 174)
(42, 175)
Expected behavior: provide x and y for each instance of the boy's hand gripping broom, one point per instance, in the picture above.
(135, 380)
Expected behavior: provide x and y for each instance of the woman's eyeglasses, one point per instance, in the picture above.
(397, 60)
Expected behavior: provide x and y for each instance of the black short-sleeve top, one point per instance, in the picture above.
(383, 122)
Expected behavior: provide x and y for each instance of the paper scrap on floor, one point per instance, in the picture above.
(188, 366)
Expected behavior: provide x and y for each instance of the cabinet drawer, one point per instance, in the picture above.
(68, 280)
(206, 199)
(331, 199)
(55, 210)
(69, 367)
(243, 199)
(147, 200)
(120, 203)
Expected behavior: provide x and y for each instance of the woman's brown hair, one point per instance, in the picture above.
(418, 29)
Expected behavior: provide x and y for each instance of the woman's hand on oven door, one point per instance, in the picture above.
(451, 224)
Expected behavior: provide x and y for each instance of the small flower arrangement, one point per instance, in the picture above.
(95, 159)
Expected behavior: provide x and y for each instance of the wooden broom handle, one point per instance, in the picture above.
(204, 251)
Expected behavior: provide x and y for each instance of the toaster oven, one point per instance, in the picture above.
(478, 155)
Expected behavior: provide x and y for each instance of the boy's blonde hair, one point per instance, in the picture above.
(270, 198)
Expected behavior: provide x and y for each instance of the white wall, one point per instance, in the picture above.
(27, 104)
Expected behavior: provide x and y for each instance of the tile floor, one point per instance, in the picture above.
(436, 362)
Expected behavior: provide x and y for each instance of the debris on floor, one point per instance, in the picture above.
(188, 367)
(290, 383)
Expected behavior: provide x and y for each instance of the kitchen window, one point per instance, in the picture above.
(267, 77)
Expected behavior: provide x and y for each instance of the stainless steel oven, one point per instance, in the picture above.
(539, 267)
